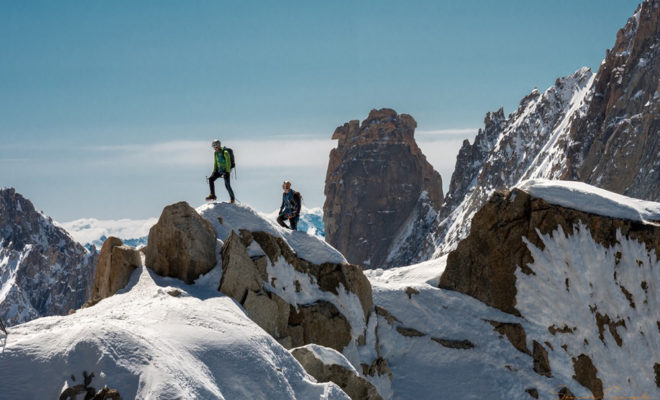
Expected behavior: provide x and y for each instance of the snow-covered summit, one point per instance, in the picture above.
(226, 218)
(583, 197)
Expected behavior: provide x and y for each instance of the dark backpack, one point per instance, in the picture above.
(231, 156)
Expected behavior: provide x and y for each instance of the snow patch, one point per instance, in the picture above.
(583, 197)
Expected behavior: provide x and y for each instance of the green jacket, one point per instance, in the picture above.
(222, 161)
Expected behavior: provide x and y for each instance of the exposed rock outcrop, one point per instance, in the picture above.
(514, 332)
(116, 264)
(319, 319)
(541, 363)
(305, 317)
(483, 264)
(616, 142)
(329, 370)
(375, 178)
(182, 244)
(43, 271)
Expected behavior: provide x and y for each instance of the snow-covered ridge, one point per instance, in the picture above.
(311, 221)
(134, 232)
(157, 338)
(227, 217)
(583, 197)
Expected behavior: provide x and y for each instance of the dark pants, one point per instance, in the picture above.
(215, 175)
(293, 221)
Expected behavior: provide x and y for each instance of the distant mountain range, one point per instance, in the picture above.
(134, 232)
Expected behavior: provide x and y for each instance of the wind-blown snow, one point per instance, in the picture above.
(227, 217)
(576, 279)
(147, 343)
(583, 197)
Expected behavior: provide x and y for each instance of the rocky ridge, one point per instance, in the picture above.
(615, 143)
(43, 271)
(303, 297)
(596, 128)
(376, 177)
(297, 288)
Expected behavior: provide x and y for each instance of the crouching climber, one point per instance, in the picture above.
(290, 208)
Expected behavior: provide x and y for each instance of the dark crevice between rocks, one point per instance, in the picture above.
(602, 320)
(454, 344)
(628, 295)
(553, 329)
(409, 332)
(387, 315)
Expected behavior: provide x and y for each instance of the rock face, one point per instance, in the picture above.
(483, 264)
(116, 264)
(43, 271)
(182, 244)
(340, 373)
(600, 129)
(615, 143)
(296, 301)
(375, 178)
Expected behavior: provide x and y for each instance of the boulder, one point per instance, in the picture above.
(339, 371)
(182, 244)
(116, 264)
(318, 320)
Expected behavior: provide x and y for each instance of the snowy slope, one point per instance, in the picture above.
(311, 221)
(147, 343)
(582, 301)
(423, 368)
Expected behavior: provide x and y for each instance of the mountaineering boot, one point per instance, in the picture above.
(211, 197)
(233, 201)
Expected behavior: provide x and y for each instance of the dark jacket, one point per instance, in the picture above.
(291, 203)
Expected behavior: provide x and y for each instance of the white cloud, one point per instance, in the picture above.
(249, 153)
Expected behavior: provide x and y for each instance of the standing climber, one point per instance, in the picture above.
(290, 208)
(221, 168)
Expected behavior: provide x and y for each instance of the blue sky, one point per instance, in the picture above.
(107, 108)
